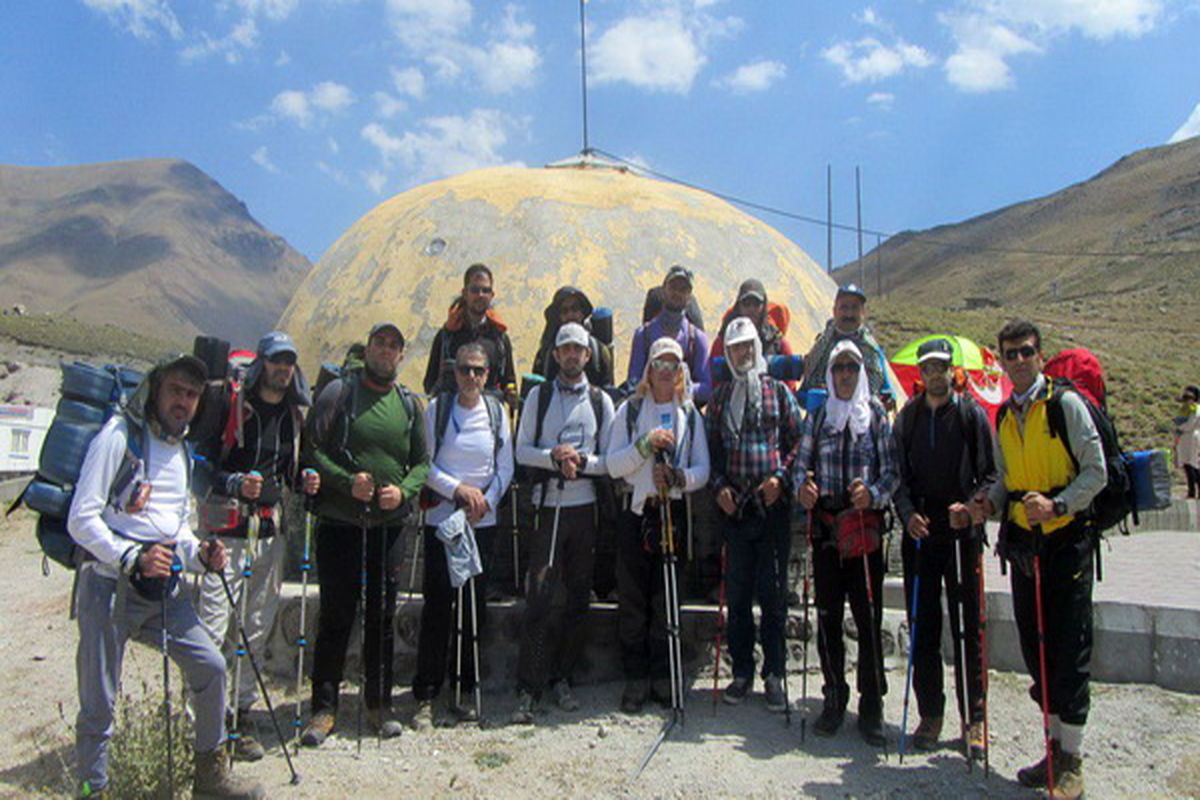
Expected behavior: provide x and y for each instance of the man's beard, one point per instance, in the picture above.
(571, 372)
(938, 391)
(379, 377)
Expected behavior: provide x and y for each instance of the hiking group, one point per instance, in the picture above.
(606, 466)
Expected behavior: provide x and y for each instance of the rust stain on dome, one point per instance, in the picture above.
(609, 232)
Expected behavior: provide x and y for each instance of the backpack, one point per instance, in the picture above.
(634, 409)
(90, 397)
(445, 406)
(347, 397)
(906, 423)
(606, 492)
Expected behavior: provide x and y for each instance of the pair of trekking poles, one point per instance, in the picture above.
(960, 651)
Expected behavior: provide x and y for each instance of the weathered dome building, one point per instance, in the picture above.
(607, 230)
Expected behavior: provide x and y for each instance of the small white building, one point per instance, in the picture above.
(22, 431)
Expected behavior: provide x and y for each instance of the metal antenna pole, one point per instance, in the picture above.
(862, 270)
(583, 72)
(829, 218)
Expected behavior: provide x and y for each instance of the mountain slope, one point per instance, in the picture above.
(1147, 204)
(154, 246)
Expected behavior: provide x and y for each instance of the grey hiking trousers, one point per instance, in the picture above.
(103, 630)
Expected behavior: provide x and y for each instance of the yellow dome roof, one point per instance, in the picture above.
(609, 232)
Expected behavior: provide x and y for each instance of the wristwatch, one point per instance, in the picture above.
(1060, 507)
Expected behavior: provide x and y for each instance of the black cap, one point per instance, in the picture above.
(183, 361)
(386, 326)
(679, 271)
(852, 288)
(935, 348)
(752, 287)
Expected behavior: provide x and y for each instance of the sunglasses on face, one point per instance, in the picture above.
(470, 369)
(843, 368)
(283, 358)
(935, 367)
(477, 289)
(1025, 351)
(750, 301)
(664, 365)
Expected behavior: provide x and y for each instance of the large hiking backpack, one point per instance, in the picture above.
(90, 396)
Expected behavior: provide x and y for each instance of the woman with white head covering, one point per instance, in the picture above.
(656, 443)
(847, 469)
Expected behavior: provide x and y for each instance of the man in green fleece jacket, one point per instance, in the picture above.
(367, 440)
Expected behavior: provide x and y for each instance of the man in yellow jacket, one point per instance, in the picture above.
(1046, 483)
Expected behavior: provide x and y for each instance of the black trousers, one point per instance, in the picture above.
(837, 581)
(339, 565)
(1193, 480)
(552, 642)
(438, 641)
(641, 601)
(756, 569)
(937, 565)
(1067, 570)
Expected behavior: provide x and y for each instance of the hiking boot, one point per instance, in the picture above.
(976, 745)
(564, 698)
(870, 722)
(1034, 776)
(214, 778)
(318, 730)
(660, 691)
(381, 722)
(423, 719)
(523, 713)
(926, 736)
(466, 714)
(246, 746)
(635, 694)
(1068, 777)
(831, 718)
(776, 697)
(737, 690)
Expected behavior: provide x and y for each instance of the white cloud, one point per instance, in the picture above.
(445, 145)
(302, 108)
(330, 96)
(417, 23)
(654, 53)
(292, 105)
(987, 33)
(754, 77)
(409, 81)
(870, 60)
(375, 181)
(881, 99)
(333, 145)
(283, 59)
(243, 36)
(276, 10)
(142, 18)
(263, 158)
(336, 175)
(388, 106)
(1190, 128)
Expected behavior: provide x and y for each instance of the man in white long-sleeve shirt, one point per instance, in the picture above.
(657, 444)
(470, 469)
(561, 437)
(130, 516)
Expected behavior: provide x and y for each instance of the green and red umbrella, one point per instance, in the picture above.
(985, 381)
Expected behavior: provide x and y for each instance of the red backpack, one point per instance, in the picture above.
(1080, 366)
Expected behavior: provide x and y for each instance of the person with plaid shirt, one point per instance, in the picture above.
(753, 425)
(847, 469)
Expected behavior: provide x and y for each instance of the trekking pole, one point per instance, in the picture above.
(475, 652)
(671, 603)
(962, 685)
(166, 671)
(983, 658)
(253, 521)
(720, 626)
(808, 563)
(362, 627)
(516, 538)
(383, 631)
(412, 568)
(912, 645)
(262, 686)
(877, 655)
(302, 638)
(458, 648)
(781, 583)
(1041, 635)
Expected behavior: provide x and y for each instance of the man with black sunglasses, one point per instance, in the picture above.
(848, 323)
(472, 318)
(1045, 481)
(246, 465)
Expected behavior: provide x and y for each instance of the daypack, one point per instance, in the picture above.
(445, 406)
(635, 409)
(90, 396)
(346, 401)
(606, 494)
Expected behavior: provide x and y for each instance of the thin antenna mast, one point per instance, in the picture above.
(862, 270)
(829, 218)
(583, 73)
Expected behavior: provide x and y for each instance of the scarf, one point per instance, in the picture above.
(855, 412)
(745, 401)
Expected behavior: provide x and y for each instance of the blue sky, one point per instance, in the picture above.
(313, 111)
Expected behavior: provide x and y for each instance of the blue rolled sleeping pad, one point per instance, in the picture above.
(602, 324)
(782, 368)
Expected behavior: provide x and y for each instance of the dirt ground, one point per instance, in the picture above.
(1142, 741)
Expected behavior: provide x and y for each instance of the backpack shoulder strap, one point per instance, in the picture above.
(596, 396)
(495, 420)
(235, 421)
(633, 407)
(545, 392)
(1056, 418)
(445, 406)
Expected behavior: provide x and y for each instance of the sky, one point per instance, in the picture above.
(314, 111)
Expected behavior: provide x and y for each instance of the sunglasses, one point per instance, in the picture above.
(844, 368)
(750, 301)
(934, 366)
(664, 365)
(470, 369)
(1024, 351)
(477, 289)
(283, 358)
